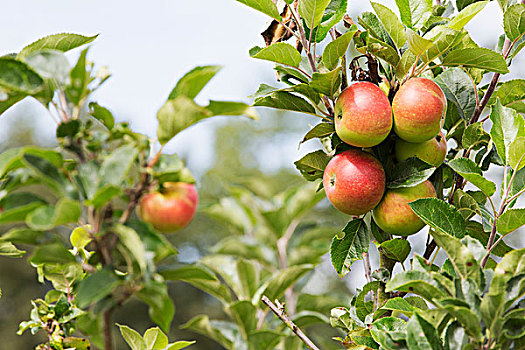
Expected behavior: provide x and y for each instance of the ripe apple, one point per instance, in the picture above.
(432, 151)
(354, 181)
(419, 109)
(170, 209)
(393, 215)
(363, 115)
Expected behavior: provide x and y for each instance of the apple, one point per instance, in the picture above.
(354, 182)
(393, 215)
(419, 109)
(170, 209)
(432, 151)
(363, 115)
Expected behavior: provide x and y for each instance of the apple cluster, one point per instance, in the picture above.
(355, 181)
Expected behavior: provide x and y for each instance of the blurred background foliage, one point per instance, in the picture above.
(256, 155)
(238, 161)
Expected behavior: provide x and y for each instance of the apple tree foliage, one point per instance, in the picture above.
(474, 299)
(73, 205)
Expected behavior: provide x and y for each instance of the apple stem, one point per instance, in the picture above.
(281, 313)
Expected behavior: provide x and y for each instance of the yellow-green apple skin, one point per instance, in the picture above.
(419, 109)
(171, 209)
(432, 151)
(354, 182)
(393, 215)
(363, 115)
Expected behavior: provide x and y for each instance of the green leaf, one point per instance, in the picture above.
(79, 78)
(79, 237)
(178, 114)
(117, 165)
(511, 94)
(102, 114)
(65, 211)
(375, 29)
(405, 64)
(200, 277)
(466, 204)
(364, 308)
(285, 279)
(9, 249)
(337, 48)
(422, 335)
(414, 13)
(507, 125)
(445, 39)
(416, 43)
(47, 172)
(440, 215)
(400, 305)
(161, 307)
(96, 287)
(194, 81)
(455, 336)
(461, 4)
(409, 173)
(472, 173)
(517, 153)
(319, 131)
(493, 303)
(22, 235)
(50, 64)
(282, 53)
(312, 165)
(181, 344)
(19, 77)
(327, 83)
(285, 100)
(464, 262)
(392, 25)
(514, 21)
(510, 220)
(466, 15)
(216, 331)
(154, 339)
(248, 277)
(333, 14)
(61, 42)
(54, 253)
(132, 242)
(311, 11)
(244, 314)
(346, 250)
(264, 339)
(265, 6)
(227, 108)
(16, 206)
(132, 337)
(477, 58)
(416, 282)
(459, 89)
(474, 135)
(466, 317)
(396, 249)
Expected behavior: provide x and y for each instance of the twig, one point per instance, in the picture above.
(507, 46)
(368, 269)
(107, 323)
(279, 311)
